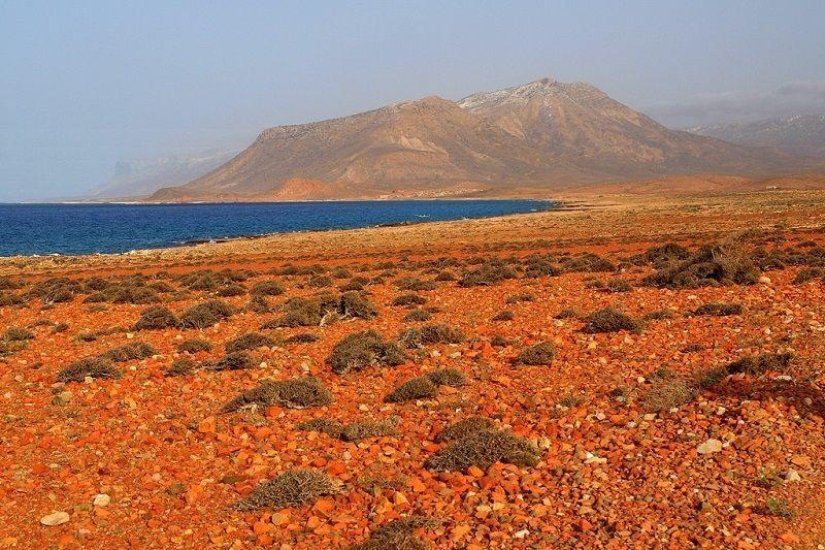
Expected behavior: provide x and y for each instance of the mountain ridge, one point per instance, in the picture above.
(544, 134)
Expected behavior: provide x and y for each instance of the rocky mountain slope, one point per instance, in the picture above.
(545, 134)
(800, 135)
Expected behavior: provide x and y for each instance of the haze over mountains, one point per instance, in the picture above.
(800, 134)
(542, 135)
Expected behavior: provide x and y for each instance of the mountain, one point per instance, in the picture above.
(145, 176)
(800, 134)
(545, 134)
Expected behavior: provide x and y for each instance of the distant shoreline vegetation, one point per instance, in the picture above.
(72, 229)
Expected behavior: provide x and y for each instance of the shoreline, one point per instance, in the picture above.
(552, 205)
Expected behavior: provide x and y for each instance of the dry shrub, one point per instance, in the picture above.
(488, 273)
(181, 367)
(483, 449)
(7, 283)
(327, 426)
(194, 345)
(363, 349)
(420, 387)
(759, 364)
(499, 341)
(808, 274)
(505, 315)
(229, 291)
(419, 315)
(205, 315)
(296, 393)
(16, 334)
(303, 338)
(665, 253)
(258, 304)
(463, 428)
(409, 300)
(341, 273)
(86, 336)
(355, 304)
(618, 285)
(447, 377)
(267, 288)
(238, 360)
(610, 320)
(431, 334)
(722, 264)
(718, 309)
(444, 276)
(658, 315)
(569, 313)
(415, 284)
(363, 430)
(249, 341)
(399, 534)
(542, 353)
(8, 299)
(291, 488)
(588, 262)
(319, 281)
(129, 352)
(60, 327)
(516, 298)
(668, 393)
(96, 367)
(156, 318)
(56, 290)
(541, 268)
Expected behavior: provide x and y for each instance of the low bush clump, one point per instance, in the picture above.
(16, 334)
(356, 304)
(431, 334)
(129, 352)
(722, 264)
(569, 313)
(415, 285)
(239, 360)
(444, 276)
(89, 368)
(194, 345)
(718, 309)
(658, 315)
(363, 349)
(463, 428)
(319, 281)
(296, 393)
(267, 288)
(610, 320)
(249, 341)
(808, 274)
(516, 298)
(398, 534)
(156, 318)
(669, 392)
(419, 315)
(363, 430)
(489, 273)
(205, 315)
(483, 449)
(56, 290)
(291, 488)
(9, 299)
(587, 262)
(420, 387)
(258, 304)
(499, 341)
(618, 285)
(303, 338)
(229, 291)
(759, 364)
(505, 315)
(181, 367)
(409, 300)
(542, 353)
(447, 377)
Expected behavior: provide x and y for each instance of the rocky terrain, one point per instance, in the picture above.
(544, 135)
(630, 371)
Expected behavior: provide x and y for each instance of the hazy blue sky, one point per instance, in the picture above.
(85, 84)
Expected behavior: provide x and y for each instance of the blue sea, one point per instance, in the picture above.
(72, 229)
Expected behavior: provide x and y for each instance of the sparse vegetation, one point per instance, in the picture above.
(715, 309)
(420, 387)
(296, 393)
(89, 368)
(483, 449)
(250, 341)
(129, 352)
(363, 349)
(156, 318)
(610, 320)
(194, 345)
(542, 353)
(206, 315)
(291, 488)
(430, 334)
(238, 360)
(463, 428)
(447, 377)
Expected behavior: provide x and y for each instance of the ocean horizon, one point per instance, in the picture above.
(72, 229)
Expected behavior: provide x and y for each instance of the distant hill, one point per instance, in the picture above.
(800, 135)
(145, 176)
(545, 135)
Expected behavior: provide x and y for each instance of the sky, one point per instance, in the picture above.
(86, 84)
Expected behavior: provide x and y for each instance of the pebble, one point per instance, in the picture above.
(101, 499)
(710, 446)
(792, 476)
(54, 519)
